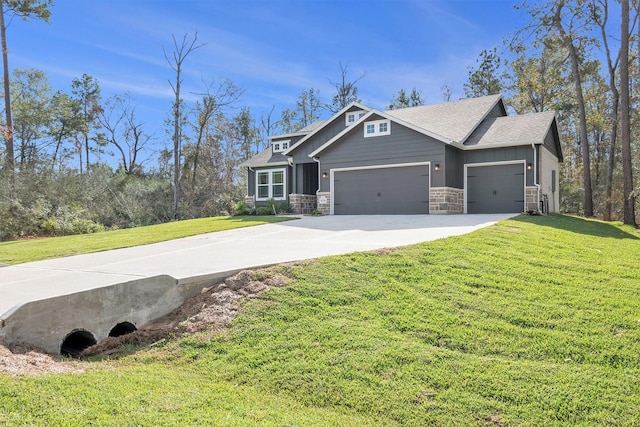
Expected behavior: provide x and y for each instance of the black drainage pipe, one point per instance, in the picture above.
(74, 343)
(122, 328)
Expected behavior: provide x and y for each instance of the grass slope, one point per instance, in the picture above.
(19, 251)
(534, 321)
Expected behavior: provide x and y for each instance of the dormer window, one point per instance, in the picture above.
(377, 128)
(353, 116)
(279, 146)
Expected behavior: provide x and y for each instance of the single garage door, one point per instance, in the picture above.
(495, 189)
(396, 190)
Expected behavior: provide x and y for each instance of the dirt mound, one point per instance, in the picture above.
(25, 359)
(212, 309)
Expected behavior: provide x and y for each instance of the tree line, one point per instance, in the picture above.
(59, 176)
(580, 58)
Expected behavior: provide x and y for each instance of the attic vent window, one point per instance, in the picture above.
(279, 146)
(353, 116)
(377, 128)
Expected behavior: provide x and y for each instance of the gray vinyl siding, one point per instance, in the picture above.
(550, 142)
(402, 146)
(251, 182)
(497, 111)
(523, 152)
(297, 189)
(301, 154)
(454, 167)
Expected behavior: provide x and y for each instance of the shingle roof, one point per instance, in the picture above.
(265, 158)
(313, 126)
(452, 120)
(512, 130)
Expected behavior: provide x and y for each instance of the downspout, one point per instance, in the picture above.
(317, 160)
(535, 176)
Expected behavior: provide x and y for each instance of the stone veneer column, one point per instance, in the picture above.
(303, 204)
(250, 201)
(532, 197)
(324, 203)
(446, 200)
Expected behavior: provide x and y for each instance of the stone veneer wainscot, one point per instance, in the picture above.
(446, 200)
(303, 204)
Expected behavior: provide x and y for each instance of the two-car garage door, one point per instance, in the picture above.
(382, 190)
(495, 188)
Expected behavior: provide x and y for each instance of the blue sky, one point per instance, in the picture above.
(273, 49)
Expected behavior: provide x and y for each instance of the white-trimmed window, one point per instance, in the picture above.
(271, 184)
(352, 116)
(279, 146)
(377, 128)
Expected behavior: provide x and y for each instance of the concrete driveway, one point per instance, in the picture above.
(75, 302)
(227, 251)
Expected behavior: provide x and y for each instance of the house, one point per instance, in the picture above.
(465, 156)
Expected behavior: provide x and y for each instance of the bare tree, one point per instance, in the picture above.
(267, 126)
(213, 102)
(180, 53)
(346, 91)
(124, 132)
(447, 91)
(309, 106)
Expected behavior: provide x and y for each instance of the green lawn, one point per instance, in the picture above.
(533, 321)
(19, 251)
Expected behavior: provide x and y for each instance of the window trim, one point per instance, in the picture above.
(270, 184)
(281, 144)
(356, 114)
(376, 128)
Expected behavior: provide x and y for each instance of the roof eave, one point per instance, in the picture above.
(500, 145)
(287, 135)
(263, 165)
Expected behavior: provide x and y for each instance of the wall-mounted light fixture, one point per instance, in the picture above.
(437, 166)
(324, 174)
(529, 166)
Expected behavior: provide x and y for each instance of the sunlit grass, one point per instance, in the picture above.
(19, 251)
(533, 321)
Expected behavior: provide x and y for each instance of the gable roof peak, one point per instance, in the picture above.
(325, 123)
(487, 99)
(454, 120)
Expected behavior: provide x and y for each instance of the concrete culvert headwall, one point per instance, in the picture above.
(122, 328)
(76, 341)
(43, 323)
